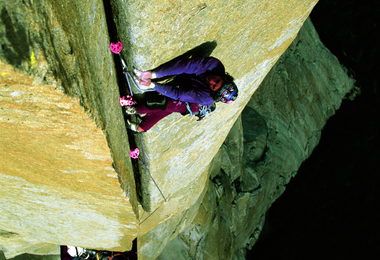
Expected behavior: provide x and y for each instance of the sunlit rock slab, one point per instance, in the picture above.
(57, 182)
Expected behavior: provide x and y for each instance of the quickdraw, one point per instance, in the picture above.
(116, 48)
(128, 101)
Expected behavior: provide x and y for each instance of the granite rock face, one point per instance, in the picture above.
(248, 37)
(66, 46)
(56, 177)
(63, 179)
(277, 130)
(32, 257)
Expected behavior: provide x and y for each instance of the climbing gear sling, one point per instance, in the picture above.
(203, 110)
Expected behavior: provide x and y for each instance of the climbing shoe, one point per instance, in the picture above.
(129, 110)
(132, 126)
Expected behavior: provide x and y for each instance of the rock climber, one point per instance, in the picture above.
(200, 82)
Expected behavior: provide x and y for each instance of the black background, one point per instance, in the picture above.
(330, 210)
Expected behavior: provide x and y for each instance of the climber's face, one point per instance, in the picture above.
(216, 82)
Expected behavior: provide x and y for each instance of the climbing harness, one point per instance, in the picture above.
(128, 101)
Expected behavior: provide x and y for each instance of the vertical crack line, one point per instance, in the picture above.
(123, 90)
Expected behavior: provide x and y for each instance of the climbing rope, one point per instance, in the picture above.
(128, 101)
(116, 48)
(134, 153)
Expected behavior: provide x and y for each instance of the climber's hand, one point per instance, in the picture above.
(144, 75)
(144, 82)
(145, 85)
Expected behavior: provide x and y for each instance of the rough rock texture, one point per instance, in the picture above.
(56, 177)
(49, 145)
(279, 128)
(32, 257)
(248, 37)
(68, 41)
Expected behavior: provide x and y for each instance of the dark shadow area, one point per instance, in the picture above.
(124, 90)
(203, 50)
(330, 210)
(103, 254)
(141, 177)
(15, 33)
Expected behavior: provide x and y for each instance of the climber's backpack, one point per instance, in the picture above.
(154, 100)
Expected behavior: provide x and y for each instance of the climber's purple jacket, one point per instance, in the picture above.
(196, 89)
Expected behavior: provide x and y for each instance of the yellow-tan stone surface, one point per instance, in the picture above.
(249, 36)
(66, 44)
(56, 174)
(276, 132)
